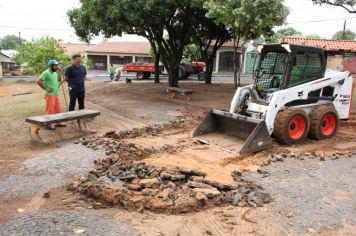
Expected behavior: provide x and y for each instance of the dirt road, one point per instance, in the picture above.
(312, 194)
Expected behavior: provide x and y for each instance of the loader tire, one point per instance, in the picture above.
(324, 122)
(291, 126)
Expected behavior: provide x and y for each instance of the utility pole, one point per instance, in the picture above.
(20, 41)
(344, 31)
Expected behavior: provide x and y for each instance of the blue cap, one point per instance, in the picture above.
(52, 62)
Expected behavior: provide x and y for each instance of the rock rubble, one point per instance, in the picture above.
(139, 186)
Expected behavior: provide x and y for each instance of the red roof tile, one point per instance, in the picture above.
(72, 48)
(121, 47)
(326, 44)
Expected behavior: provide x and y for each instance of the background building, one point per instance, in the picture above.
(336, 50)
(120, 53)
(5, 64)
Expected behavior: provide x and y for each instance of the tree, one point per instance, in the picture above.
(312, 36)
(35, 54)
(347, 35)
(11, 42)
(247, 20)
(147, 18)
(348, 5)
(278, 36)
(191, 52)
(209, 37)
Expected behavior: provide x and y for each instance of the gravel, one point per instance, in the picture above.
(311, 193)
(65, 223)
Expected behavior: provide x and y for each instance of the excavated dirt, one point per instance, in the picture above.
(122, 180)
(161, 168)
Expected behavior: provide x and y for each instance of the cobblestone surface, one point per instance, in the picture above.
(49, 170)
(27, 185)
(64, 223)
(312, 193)
(64, 161)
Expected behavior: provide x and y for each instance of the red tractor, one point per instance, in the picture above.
(196, 67)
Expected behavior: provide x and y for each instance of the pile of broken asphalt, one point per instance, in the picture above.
(124, 180)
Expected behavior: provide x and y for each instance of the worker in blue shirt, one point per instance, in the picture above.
(75, 75)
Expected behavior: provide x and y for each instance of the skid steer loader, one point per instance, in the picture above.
(293, 97)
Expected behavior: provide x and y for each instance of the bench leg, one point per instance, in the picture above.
(189, 98)
(80, 125)
(174, 95)
(86, 127)
(34, 133)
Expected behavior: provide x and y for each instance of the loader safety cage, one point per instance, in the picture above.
(286, 65)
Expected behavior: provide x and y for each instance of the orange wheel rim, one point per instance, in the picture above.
(296, 127)
(328, 124)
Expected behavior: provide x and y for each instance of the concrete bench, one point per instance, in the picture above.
(82, 117)
(181, 91)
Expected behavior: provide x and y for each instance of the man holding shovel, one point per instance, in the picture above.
(49, 81)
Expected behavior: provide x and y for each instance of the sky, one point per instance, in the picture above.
(36, 18)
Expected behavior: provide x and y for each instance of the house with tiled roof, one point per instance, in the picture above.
(120, 53)
(106, 53)
(336, 50)
(223, 62)
(73, 48)
(5, 64)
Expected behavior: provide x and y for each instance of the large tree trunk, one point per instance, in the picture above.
(173, 76)
(157, 70)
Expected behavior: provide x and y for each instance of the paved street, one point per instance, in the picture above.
(102, 76)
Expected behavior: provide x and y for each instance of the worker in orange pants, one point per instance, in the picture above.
(49, 81)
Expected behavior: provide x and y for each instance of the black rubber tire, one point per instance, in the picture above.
(140, 75)
(146, 75)
(282, 122)
(316, 121)
(201, 76)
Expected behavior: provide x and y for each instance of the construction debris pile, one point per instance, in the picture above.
(123, 179)
(139, 186)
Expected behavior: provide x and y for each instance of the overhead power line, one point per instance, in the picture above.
(71, 30)
(34, 28)
(315, 21)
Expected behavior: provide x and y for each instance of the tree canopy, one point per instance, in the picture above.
(247, 19)
(281, 33)
(348, 5)
(312, 36)
(11, 42)
(348, 35)
(34, 55)
(147, 18)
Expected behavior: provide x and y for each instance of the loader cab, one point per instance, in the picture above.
(282, 66)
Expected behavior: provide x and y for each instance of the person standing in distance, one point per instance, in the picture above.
(75, 75)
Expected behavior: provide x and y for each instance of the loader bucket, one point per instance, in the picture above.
(237, 133)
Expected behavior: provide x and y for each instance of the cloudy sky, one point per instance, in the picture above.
(37, 18)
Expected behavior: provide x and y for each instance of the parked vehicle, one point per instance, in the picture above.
(195, 67)
(143, 70)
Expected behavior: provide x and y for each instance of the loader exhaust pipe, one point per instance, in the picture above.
(251, 135)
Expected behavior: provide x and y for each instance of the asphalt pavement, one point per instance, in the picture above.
(102, 76)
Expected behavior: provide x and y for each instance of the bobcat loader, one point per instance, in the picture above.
(293, 97)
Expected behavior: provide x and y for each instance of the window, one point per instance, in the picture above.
(307, 67)
(272, 64)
